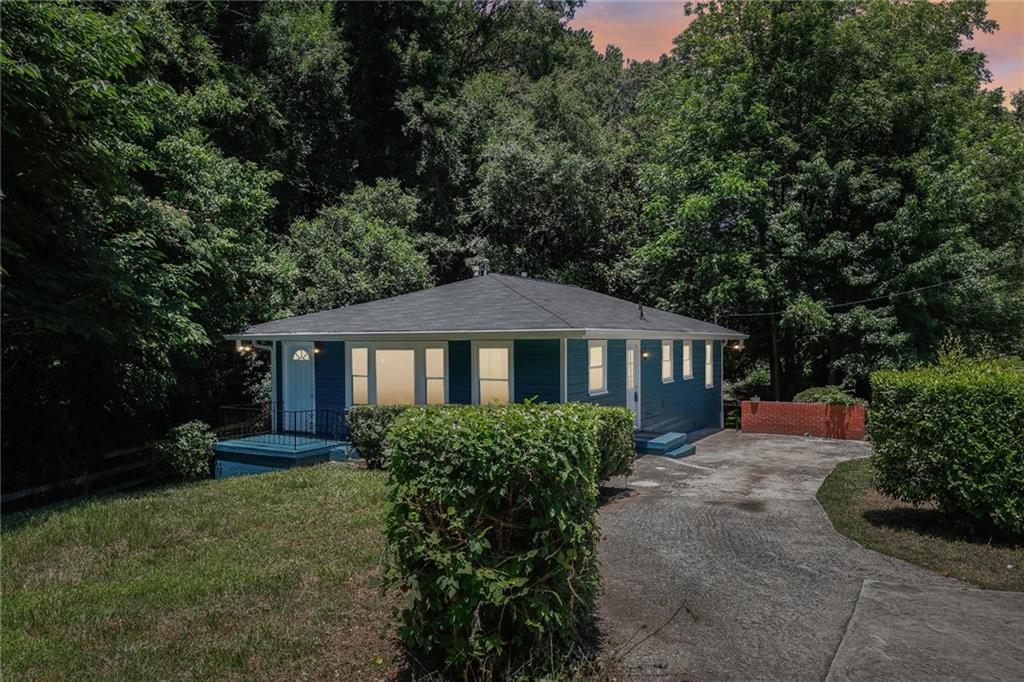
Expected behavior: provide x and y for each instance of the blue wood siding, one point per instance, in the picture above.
(460, 373)
(536, 364)
(681, 405)
(277, 379)
(684, 404)
(329, 378)
(576, 359)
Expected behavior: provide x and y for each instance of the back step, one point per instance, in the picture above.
(659, 443)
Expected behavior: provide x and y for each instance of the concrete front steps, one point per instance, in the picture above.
(669, 444)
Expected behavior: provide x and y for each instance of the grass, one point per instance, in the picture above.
(267, 577)
(919, 535)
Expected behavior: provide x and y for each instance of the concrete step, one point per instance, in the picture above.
(660, 443)
(681, 451)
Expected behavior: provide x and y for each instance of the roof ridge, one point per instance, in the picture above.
(498, 278)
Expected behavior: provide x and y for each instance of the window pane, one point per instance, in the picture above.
(435, 362)
(360, 390)
(596, 379)
(435, 391)
(709, 364)
(596, 355)
(666, 361)
(688, 359)
(493, 363)
(396, 377)
(493, 392)
(360, 365)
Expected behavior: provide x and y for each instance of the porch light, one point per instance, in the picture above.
(736, 346)
(645, 354)
(316, 349)
(243, 346)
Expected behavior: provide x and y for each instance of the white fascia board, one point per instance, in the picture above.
(488, 334)
(655, 334)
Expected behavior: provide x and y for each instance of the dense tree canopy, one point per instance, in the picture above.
(174, 171)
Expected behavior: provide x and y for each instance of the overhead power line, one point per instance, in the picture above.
(885, 296)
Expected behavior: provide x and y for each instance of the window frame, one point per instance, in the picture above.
(687, 359)
(709, 363)
(671, 359)
(474, 351)
(419, 349)
(603, 345)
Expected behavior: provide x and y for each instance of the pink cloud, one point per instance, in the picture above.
(644, 29)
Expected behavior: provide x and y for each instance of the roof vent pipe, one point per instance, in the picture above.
(484, 267)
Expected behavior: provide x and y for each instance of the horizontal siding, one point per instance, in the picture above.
(460, 373)
(537, 364)
(576, 375)
(329, 377)
(683, 405)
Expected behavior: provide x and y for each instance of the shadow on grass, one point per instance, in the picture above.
(934, 523)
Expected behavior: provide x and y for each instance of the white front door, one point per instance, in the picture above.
(633, 379)
(299, 399)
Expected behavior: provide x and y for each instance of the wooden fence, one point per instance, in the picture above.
(117, 471)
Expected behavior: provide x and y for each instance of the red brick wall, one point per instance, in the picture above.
(800, 419)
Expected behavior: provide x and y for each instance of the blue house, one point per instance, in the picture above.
(492, 338)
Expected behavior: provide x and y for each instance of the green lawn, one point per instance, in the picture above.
(269, 577)
(921, 536)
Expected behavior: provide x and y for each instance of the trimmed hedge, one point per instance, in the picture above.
(953, 435)
(188, 450)
(368, 426)
(831, 395)
(492, 536)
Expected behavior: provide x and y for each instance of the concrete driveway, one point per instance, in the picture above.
(722, 565)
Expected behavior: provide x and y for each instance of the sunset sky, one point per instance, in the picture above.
(644, 29)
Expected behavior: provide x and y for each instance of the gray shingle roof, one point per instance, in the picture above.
(489, 303)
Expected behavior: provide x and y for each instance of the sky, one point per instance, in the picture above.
(644, 29)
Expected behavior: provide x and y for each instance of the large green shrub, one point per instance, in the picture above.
(616, 449)
(493, 537)
(953, 435)
(832, 395)
(188, 450)
(368, 426)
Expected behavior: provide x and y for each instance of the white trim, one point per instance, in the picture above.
(638, 370)
(419, 367)
(603, 345)
(687, 346)
(671, 361)
(709, 352)
(474, 347)
(564, 369)
(721, 387)
(499, 334)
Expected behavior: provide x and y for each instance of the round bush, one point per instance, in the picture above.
(188, 449)
(831, 395)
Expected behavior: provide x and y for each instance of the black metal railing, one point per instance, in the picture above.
(269, 423)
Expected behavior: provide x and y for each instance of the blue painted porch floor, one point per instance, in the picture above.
(270, 452)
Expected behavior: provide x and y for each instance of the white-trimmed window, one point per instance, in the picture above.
(434, 375)
(687, 359)
(709, 364)
(398, 373)
(360, 375)
(597, 367)
(666, 362)
(492, 372)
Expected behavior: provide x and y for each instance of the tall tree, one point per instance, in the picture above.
(807, 156)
